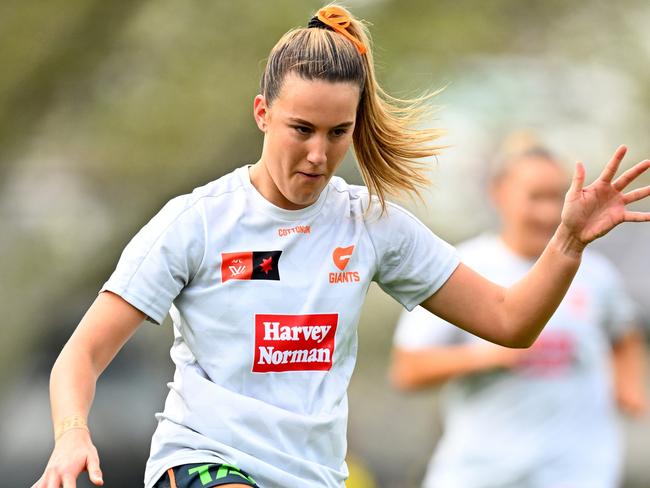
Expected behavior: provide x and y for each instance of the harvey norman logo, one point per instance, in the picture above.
(294, 342)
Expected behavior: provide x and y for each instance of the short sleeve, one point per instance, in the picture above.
(160, 260)
(420, 328)
(412, 262)
(620, 311)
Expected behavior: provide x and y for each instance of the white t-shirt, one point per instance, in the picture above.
(265, 304)
(549, 422)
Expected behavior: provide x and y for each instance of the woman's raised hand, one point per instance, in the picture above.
(592, 211)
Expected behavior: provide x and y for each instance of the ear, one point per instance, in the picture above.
(494, 192)
(261, 112)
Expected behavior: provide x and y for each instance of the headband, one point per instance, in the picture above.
(338, 20)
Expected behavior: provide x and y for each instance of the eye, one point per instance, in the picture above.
(302, 130)
(338, 132)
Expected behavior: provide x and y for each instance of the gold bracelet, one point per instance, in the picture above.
(69, 423)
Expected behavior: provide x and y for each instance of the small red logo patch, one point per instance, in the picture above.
(236, 266)
(250, 265)
(294, 342)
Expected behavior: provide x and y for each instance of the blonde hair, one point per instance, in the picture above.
(516, 147)
(387, 141)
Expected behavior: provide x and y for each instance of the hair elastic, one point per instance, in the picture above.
(338, 20)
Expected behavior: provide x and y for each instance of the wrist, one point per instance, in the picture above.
(567, 243)
(73, 422)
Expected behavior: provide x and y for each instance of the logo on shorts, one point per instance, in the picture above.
(250, 265)
(294, 342)
(341, 257)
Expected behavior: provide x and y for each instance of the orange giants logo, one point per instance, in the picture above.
(294, 342)
(341, 257)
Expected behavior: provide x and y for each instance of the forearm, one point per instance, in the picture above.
(72, 386)
(629, 368)
(414, 369)
(105, 327)
(530, 303)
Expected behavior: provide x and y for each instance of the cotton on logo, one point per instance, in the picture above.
(294, 342)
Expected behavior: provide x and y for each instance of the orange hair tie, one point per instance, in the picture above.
(338, 19)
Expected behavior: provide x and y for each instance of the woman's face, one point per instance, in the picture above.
(529, 199)
(307, 131)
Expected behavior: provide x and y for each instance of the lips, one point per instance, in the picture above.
(310, 175)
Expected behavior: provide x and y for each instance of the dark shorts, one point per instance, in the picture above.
(204, 476)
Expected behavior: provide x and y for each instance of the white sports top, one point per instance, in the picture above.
(265, 304)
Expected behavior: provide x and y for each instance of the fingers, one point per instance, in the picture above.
(578, 178)
(630, 175)
(69, 481)
(94, 471)
(636, 195)
(610, 169)
(636, 216)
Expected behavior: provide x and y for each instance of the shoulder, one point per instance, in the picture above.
(485, 244)
(341, 189)
(226, 185)
(597, 263)
(597, 266)
(221, 188)
(189, 208)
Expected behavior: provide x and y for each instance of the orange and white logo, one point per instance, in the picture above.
(298, 229)
(294, 342)
(341, 257)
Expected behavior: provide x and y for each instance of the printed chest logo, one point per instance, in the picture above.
(341, 257)
(250, 265)
(294, 342)
(552, 354)
(298, 229)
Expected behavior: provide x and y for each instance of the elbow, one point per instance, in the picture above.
(402, 379)
(401, 383)
(519, 340)
(517, 335)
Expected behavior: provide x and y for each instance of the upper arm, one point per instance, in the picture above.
(471, 302)
(107, 325)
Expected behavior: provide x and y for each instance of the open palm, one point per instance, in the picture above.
(593, 211)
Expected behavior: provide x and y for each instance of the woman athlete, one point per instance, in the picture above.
(266, 269)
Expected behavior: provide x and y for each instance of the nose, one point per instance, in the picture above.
(550, 213)
(317, 153)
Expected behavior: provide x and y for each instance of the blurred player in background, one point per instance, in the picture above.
(543, 417)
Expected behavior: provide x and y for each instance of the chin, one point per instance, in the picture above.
(300, 202)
